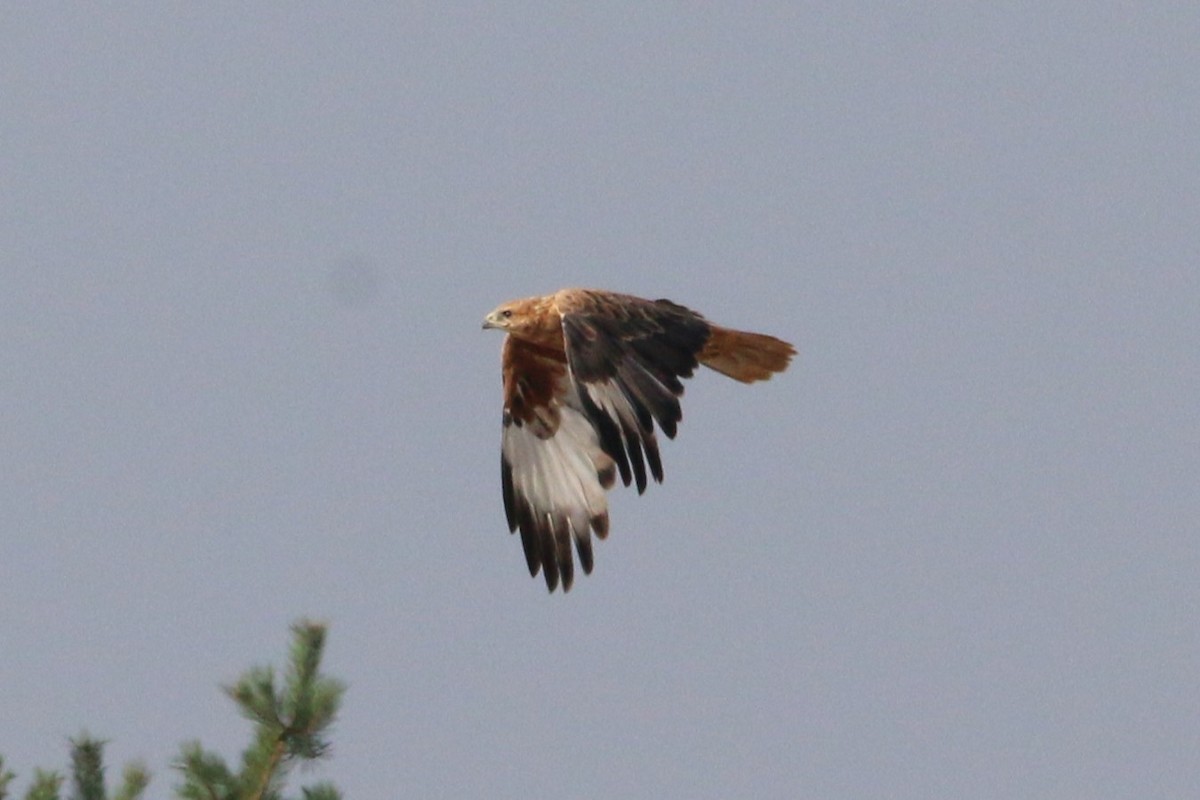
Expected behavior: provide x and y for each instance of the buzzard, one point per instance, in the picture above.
(587, 374)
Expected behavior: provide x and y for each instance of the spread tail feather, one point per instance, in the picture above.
(743, 356)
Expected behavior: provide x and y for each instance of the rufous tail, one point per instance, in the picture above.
(743, 356)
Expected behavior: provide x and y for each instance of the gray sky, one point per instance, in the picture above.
(245, 252)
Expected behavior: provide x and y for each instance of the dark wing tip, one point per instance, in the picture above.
(508, 493)
(562, 551)
(599, 524)
(583, 545)
(607, 476)
(529, 542)
(549, 562)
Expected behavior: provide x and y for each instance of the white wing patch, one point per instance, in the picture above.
(555, 491)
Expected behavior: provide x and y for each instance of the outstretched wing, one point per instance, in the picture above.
(553, 470)
(626, 357)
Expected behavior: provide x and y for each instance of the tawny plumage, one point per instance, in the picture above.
(588, 374)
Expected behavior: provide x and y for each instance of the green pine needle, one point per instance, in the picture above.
(45, 785)
(87, 768)
(6, 778)
(134, 780)
(321, 791)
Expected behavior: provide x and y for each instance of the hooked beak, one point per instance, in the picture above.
(490, 322)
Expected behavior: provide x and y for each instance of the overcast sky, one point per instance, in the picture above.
(953, 552)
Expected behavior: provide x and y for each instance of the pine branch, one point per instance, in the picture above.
(205, 776)
(87, 768)
(6, 778)
(134, 780)
(264, 772)
(291, 724)
(87, 776)
(45, 785)
(321, 791)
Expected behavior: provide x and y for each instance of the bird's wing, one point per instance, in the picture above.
(626, 357)
(553, 470)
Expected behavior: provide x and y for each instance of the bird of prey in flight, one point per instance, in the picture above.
(587, 375)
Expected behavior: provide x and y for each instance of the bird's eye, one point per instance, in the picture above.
(506, 313)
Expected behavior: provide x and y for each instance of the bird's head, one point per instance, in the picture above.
(532, 318)
(502, 317)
